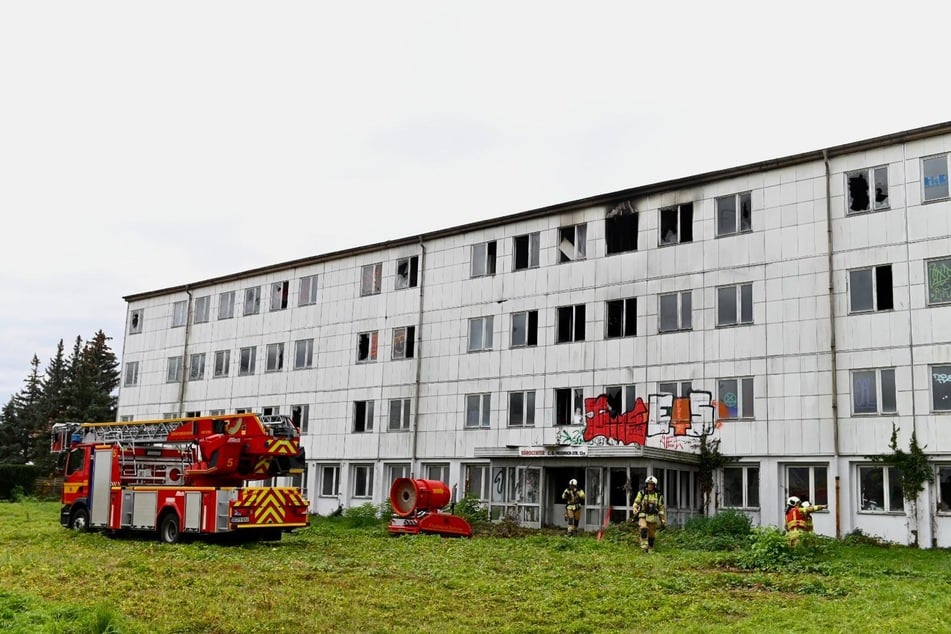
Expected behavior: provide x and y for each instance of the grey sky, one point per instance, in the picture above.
(144, 145)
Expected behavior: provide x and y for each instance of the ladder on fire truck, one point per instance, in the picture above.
(152, 431)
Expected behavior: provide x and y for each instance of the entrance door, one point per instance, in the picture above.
(594, 506)
(516, 493)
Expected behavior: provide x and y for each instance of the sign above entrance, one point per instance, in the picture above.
(553, 452)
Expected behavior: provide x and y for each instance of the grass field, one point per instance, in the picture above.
(332, 578)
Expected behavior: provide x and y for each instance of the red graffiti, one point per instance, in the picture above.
(629, 427)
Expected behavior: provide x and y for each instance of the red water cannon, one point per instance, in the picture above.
(416, 505)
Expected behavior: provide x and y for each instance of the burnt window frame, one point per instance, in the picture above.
(578, 239)
(621, 229)
(530, 243)
(409, 279)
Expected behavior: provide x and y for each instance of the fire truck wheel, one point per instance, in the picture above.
(169, 529)
(79, 520)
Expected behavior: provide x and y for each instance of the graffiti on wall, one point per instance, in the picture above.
(671, 419)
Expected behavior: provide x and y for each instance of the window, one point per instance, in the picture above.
(252, 300)
(880, 489)
(329, 480)
(135, 321)
(202, 309)
(676, 311)
(522, 409)
(169, 415)
(621, 318)
(737, 396)
(573, 243)
(683, 388)
(193, 414)
(371, 279)
(404, 342)
(407, 272)
(870, 289)
(438, 472)
(676, 224)
(526, 251)
(483, 259)
(941, 388)
(569, 406)
(862, 196)
(275, 357)
(620, 229)
(216, 412)
(934, 178)
(300, 416)
(944, 489)
(525, 329)
(480, 334)
(478, 407)
(741, 486)
(808, 483)
(396, 471)
(363, 481)
(196, 367)
(131, 373)
(939, 281)
(367, 346)
(279, 291)
(173, 373)
(222, 363)
(271, 410)
(399, 414)
(867, 385)
(621, 398)
(478, 483)
(179, 313)
(303, 354)
(734, 214)
(226, 305)
(570, 324)
(735, 305)
(308, 291)
(246, 358)
(362, 417)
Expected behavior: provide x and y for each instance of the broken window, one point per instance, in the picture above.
(300, 416)
(407, 272)
(675, 312)
(871, 289)
(371, 280)
(246, 360)
(526, 251)
(252, 300)
(135, 321)
(480, 334)
(734, 214)
(226, 305)
(735, 305)
(569, 406)
(404, 340)
(570, 323)
(573, 243)
(483, 259)
(621, 398)
(308, 291)
(367, 346)
(934, 178)
(620, 229)
(676, 224)
(621, 318)
(362, 416)
(202, 309)
(867, 189)
(279, 295)
(522, 409)
(525, 329)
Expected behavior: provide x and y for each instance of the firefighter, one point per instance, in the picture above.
(573, 497)
(807, 510)
(796, 520)
(649, 509)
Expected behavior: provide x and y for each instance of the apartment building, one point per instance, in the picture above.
(795, 310)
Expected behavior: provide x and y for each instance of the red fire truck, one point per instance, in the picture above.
(184, 476)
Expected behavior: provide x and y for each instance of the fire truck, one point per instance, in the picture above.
(183, 476)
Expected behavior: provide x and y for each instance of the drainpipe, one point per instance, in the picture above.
(419, 358)
(188, 327)
(832, 348)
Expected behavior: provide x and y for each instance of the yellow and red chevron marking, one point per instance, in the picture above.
(262, 465)
(269, 504)
(282, 448)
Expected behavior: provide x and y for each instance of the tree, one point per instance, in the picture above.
(21, 419)
(710, 461)
(94, 377)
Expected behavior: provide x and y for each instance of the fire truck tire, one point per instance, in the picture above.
(169, 529)
(79, 520)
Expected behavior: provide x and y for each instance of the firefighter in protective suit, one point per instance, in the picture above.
(796, 520)
(649, 509)
(573, 497)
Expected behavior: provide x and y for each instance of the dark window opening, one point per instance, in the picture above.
(620, 229)
(883, 284)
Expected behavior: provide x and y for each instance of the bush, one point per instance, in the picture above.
(727, 530)
(770, 551)
(18, 476)
(471, 509)
(362, 516)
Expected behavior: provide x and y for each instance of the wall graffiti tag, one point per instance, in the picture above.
(939, 281)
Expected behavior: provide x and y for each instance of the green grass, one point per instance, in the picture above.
(331, 578)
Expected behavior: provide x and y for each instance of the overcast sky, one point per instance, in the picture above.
(145, 145)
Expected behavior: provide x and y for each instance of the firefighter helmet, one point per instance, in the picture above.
(792, 501)
(573, 483)
(651, 480)
(806, 504)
